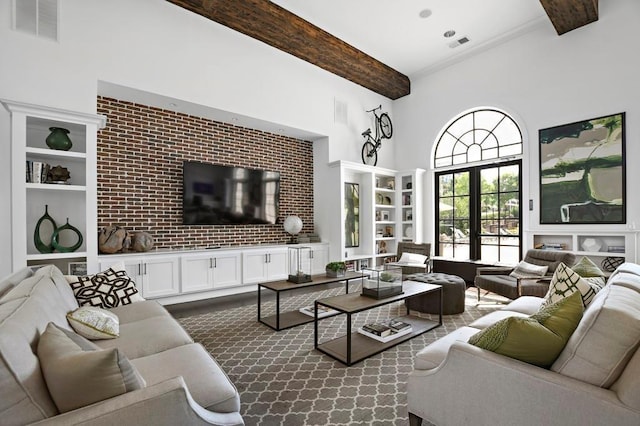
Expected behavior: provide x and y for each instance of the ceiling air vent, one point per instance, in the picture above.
(459, 42)
(37, 17)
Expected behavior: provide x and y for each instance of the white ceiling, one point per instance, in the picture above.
(392, 31)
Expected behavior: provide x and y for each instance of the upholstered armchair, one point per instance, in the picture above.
(497, 279)
(413, 264)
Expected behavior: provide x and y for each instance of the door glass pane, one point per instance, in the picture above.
(445, 185)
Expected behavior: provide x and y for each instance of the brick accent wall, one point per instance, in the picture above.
(140, 155)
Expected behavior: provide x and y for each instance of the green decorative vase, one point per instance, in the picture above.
(41, 246)
(59, 139)
(55, 243)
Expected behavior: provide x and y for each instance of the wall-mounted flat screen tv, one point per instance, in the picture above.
(224, 195)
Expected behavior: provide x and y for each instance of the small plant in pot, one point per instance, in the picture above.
(335, 269)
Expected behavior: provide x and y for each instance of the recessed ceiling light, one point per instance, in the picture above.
(234, 119)
(449, 33)
(173, 104)
(425, 13)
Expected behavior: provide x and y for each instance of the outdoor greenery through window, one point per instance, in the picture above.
(478, 206)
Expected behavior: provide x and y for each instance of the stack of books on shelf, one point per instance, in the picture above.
(615, 249)
(323, 311)
(37, 171)
(551, 246)
(386, 331)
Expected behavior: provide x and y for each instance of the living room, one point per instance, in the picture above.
(156, 55)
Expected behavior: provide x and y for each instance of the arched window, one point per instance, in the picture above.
(478, 135)
(478, 181)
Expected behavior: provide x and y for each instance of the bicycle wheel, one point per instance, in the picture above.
(385, 125)
(369, 154)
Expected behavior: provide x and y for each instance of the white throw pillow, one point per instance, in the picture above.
(413, 258)
(526, 270)
(565, 282)
(94, 323)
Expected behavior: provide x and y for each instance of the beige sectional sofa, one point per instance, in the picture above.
(594, 381)
(184, 384)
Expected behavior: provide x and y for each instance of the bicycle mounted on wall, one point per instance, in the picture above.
(383, 130)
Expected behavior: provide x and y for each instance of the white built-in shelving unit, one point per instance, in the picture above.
(75, 201)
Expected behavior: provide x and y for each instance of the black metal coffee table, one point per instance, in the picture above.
(354, 347)
(283, 320)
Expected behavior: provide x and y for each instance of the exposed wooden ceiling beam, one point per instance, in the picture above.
(567, 15)
(283, 30)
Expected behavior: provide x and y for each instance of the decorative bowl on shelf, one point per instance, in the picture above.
(591, 244)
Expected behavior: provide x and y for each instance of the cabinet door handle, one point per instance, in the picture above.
(139, 268)
(215, 262)
(311, 254)
(145, 269)
(210, 262)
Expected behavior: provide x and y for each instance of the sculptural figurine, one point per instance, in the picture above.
(141, 241)
(113, 239)
(58, 174)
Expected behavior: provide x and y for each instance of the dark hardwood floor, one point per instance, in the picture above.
(197, 307)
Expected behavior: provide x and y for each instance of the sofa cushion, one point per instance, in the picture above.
(24, 397)
(139, 311)
(94, 323)
(525, 304)
(538, 339)
(565, 282)
(495, 316)
(147, 337)
(58, 279)
(76, 377)
(106, 289)
(208, 384)
(432, 355)
(605, 339)
(586, 268)
(527, 270)
(7, 283)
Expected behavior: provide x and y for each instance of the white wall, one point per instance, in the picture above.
(543, 80)
(157, 47)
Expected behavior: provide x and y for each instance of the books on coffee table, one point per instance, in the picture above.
(392, 334)
(323, 311)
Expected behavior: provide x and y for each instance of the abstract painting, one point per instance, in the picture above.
(582, 172)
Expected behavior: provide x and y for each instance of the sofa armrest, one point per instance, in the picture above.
(166, 403)
(475, 386)
(494, 270)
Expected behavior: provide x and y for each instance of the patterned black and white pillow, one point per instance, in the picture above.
(565, 282)
(106, 289)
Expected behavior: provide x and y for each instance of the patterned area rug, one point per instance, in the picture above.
(282, 380)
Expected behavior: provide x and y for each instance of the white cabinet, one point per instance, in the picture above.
(211, 270)
(184, 276)
(73, 201)
(319, 257)
(155, 276)
(264, 265)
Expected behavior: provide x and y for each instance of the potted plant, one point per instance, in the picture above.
(335, 269)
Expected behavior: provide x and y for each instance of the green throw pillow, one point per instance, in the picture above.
(586, 268)
(537, 340)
